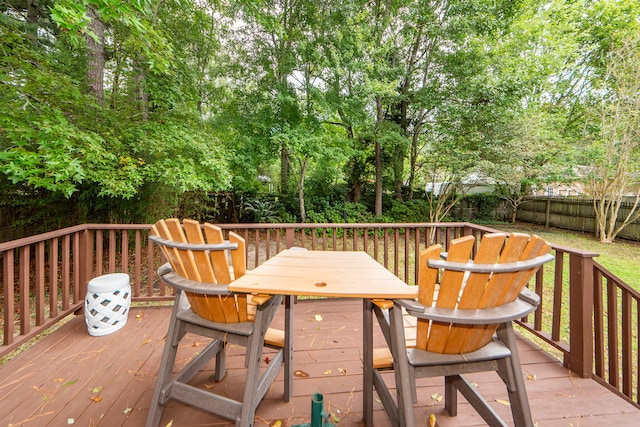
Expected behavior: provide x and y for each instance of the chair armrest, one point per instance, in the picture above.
(504, 313)
(175, 280)
(192, 286)
(507, 267)
(164, 269)
(529, 296)
(385, 304)
(410, 305)
(198, 247)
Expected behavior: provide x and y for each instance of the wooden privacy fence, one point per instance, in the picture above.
(572, 213)
(588, 317)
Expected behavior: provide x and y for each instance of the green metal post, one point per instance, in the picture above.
(317, 407)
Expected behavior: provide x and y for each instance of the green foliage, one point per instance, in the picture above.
(260, 210)
(482, 205)
(200, 206)
(416, 210)
(342, 212)
(201, 98)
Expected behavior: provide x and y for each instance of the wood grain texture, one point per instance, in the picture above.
(55, 380)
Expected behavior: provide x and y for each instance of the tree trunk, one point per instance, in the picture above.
(413, 155)
(143, 97)
(303, 212)
(284, 170)
(357, 192)
(303, 172)
(378, 206)
(33, 14)
(398, 171)
(95, 56)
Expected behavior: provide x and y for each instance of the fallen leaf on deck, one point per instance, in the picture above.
(97, 390)
(209, 386)
(327, 372)
(342, 371)
(318, 318)
(96, 398)
(504, 402)
(70, 421)
(432, 420)
(301, 374)
(127, 411)
(169, 424)
(532, 377)
(139, 317)
(437, 397)
(276, 423)
(197, 344)
(72, 382)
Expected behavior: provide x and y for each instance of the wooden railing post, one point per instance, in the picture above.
(86, 260)
(289, 237)
(581, 314)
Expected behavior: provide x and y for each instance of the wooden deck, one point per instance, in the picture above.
(71, 378)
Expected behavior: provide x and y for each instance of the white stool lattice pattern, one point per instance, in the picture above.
(106, 312)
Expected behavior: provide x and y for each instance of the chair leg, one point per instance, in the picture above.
(450, 396)
(288, 347)
(367, 370)
(167, 362)
(249, 403)
(414, 388)
(221, 365)
(401, 368)
(470, 393)
(252, 393)
(517, 392)
(386, 398)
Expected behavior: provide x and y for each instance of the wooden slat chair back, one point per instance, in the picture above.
(212, 267)
(458, 289)
(201, 265)
(460, 323)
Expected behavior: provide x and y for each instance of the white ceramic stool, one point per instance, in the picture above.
(107, 303)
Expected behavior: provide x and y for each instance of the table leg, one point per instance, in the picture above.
(367, 371)
(288, 347)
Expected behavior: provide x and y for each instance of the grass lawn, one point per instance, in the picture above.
(621, 257)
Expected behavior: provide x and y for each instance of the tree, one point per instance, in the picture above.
(95, 55)
(616, 160)
(534, 156)
(58, 142)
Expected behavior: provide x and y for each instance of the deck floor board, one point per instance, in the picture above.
(71, 378)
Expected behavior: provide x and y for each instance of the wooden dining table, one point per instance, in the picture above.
(331, 274)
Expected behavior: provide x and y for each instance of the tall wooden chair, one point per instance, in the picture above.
(199, 271)
(460, 323)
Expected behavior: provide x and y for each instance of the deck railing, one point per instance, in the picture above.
(588, 317)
